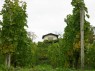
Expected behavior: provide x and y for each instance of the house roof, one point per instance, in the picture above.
(50, 34)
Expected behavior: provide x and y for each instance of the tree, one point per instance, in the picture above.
(14, 21)
(72, 33)
(42, 51)
(56, 54)
(23, 52)
(89, 56)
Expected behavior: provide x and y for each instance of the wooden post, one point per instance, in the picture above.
(8, 60)
(82, 13)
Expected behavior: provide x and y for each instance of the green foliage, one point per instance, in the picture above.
(14, 21)
(90, 56)
(1, 59)
(55, 55)
(52, 53)
(23, 53)
(4, 68)
(43, 68)
(14, 38)
(42, 53)
(58, 54)
(72, 33)
(34, 53)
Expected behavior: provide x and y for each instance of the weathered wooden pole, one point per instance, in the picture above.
(8, 60)
(82, 14)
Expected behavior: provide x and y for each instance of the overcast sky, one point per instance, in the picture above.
(47, 16)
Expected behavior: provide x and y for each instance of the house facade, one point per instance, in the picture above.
(50, 37)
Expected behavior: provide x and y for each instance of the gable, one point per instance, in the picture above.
(50, 37)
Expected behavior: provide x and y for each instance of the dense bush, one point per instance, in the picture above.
(53, 54)
(34, 53)
(2, 59)
(90, 56)
(41, 68)
(56, 54)
(42, 53)
(23, 53)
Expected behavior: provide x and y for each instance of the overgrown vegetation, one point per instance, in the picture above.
(18, 52)
(15, 44)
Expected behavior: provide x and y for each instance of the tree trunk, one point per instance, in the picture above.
(82, 36)
(8, 60)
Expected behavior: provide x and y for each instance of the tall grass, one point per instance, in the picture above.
(39, 68)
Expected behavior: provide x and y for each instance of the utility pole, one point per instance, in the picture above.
(82, 14)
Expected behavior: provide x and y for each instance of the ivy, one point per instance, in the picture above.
(14, 21)
(72, 32)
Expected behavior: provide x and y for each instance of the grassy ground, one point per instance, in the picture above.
(42, 68)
